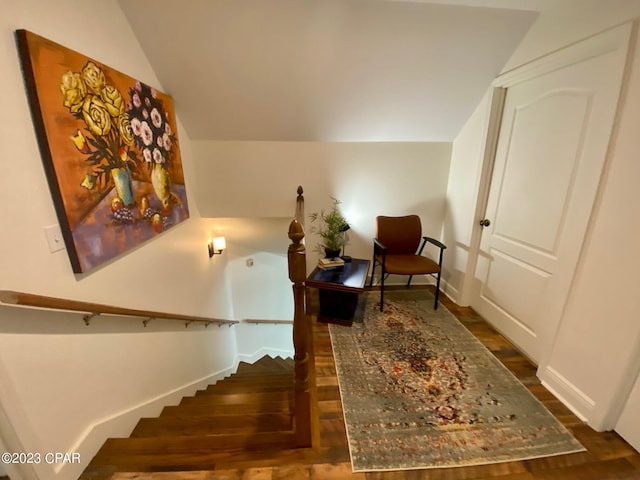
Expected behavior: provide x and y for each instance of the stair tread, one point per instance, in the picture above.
(258, 377)
(257, 386)
(239, 459)
(199, 425)
(244, 388)
(266, 365)
(271, 407)
(239, 398)
(253, 369)
(194, 445)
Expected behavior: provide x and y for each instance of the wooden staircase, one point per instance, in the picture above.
(266, 414)
(247, 416)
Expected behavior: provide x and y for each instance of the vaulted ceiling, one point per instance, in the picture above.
(328, 70)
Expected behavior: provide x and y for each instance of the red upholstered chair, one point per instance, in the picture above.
(398, 251)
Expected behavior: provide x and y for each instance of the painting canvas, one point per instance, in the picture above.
(110, 149)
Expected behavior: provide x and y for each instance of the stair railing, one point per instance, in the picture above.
(305, 414)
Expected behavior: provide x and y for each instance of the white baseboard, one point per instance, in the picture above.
(450, 291)
(570, 395)
(258, 354)
(120, 424)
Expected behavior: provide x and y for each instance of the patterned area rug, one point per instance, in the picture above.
(420, 391)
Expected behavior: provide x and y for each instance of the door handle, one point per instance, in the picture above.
(485, 222)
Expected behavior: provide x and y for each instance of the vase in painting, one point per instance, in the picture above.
(124, 186)
(161, 185)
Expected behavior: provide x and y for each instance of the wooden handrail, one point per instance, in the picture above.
(31, 300)
(267, 321)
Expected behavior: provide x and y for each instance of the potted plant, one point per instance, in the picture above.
(331, 227)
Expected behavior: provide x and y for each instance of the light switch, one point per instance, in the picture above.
(54, 238)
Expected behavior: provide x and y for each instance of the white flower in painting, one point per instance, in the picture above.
(157, 156)
(167, 142)
(136, 126)
(135, 98)
(156, 118)
(146, 134)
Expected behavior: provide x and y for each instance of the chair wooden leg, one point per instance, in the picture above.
(409, 282)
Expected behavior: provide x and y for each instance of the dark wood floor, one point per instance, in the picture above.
(607, 457)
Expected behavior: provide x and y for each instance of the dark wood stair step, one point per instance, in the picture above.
(257, 382)
(256, 370)
(260, 373)
(202, 425)
(271, 455)
(246, 387)
(286, 364)
(240, 398)
(194, 445)
(265, 365)
(276, 363)
(271, 407)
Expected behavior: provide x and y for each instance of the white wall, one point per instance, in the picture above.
(254, 179)
(596, 353)
(261, 288)
(67, 390)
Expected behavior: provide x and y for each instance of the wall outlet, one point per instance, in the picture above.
(54, 238)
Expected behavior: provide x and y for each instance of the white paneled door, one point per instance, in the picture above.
(552, 145)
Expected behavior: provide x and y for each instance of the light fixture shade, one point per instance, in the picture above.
(216, 245)
(219, 243)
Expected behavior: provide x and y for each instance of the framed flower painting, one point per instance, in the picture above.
(110, 151)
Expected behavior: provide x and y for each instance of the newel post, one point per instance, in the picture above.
(305, 411)
(300, 207)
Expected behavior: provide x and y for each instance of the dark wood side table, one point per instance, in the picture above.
(339, 288)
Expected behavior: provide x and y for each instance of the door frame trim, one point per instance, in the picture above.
(490, 143)
(598, 44)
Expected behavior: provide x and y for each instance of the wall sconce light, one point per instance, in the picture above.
(217, 246)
